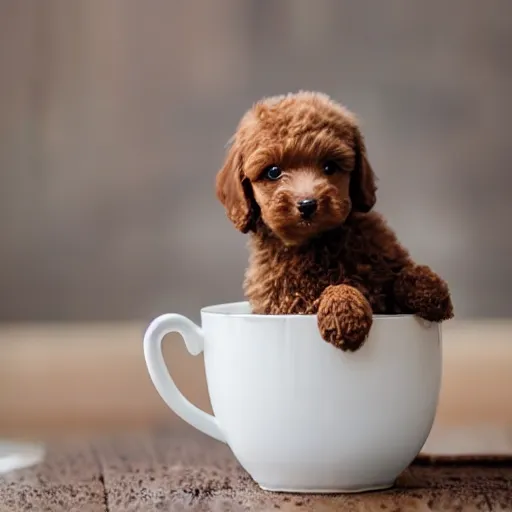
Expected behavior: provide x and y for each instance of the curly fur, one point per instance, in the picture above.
(345, 262)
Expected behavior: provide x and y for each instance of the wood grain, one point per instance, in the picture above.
(184, 470)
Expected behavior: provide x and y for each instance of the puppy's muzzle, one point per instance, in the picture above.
(307, 207)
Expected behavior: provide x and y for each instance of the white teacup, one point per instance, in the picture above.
(299, 414)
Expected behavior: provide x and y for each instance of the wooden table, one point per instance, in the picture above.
(184, 470)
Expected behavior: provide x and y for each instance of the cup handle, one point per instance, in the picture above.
(162, 380)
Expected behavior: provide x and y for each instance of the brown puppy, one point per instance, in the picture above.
(297, 177)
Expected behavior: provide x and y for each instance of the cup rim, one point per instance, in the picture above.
(220, 310)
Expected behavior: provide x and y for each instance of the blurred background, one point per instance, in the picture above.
(113, 119)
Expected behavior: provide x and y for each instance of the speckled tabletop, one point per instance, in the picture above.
(185, 470)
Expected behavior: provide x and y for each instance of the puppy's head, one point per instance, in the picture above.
(299, 163)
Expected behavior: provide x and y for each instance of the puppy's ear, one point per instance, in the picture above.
(234, 191)
(362, 181)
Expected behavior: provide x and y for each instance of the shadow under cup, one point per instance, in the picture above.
(299, 414)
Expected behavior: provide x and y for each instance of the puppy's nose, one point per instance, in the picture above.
(307, 207)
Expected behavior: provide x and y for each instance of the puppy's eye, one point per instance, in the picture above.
(272, 172)
(330, 167)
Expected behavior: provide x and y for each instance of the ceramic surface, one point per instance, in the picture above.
(299, 414)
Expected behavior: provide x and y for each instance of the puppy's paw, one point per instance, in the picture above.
(344, 317)
(424, 293)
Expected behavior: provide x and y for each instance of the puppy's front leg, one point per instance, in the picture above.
(344, 317)
(424, 293)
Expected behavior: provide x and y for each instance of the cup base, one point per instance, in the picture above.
(341, 490)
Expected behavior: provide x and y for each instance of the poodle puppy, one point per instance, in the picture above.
(297, 178)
